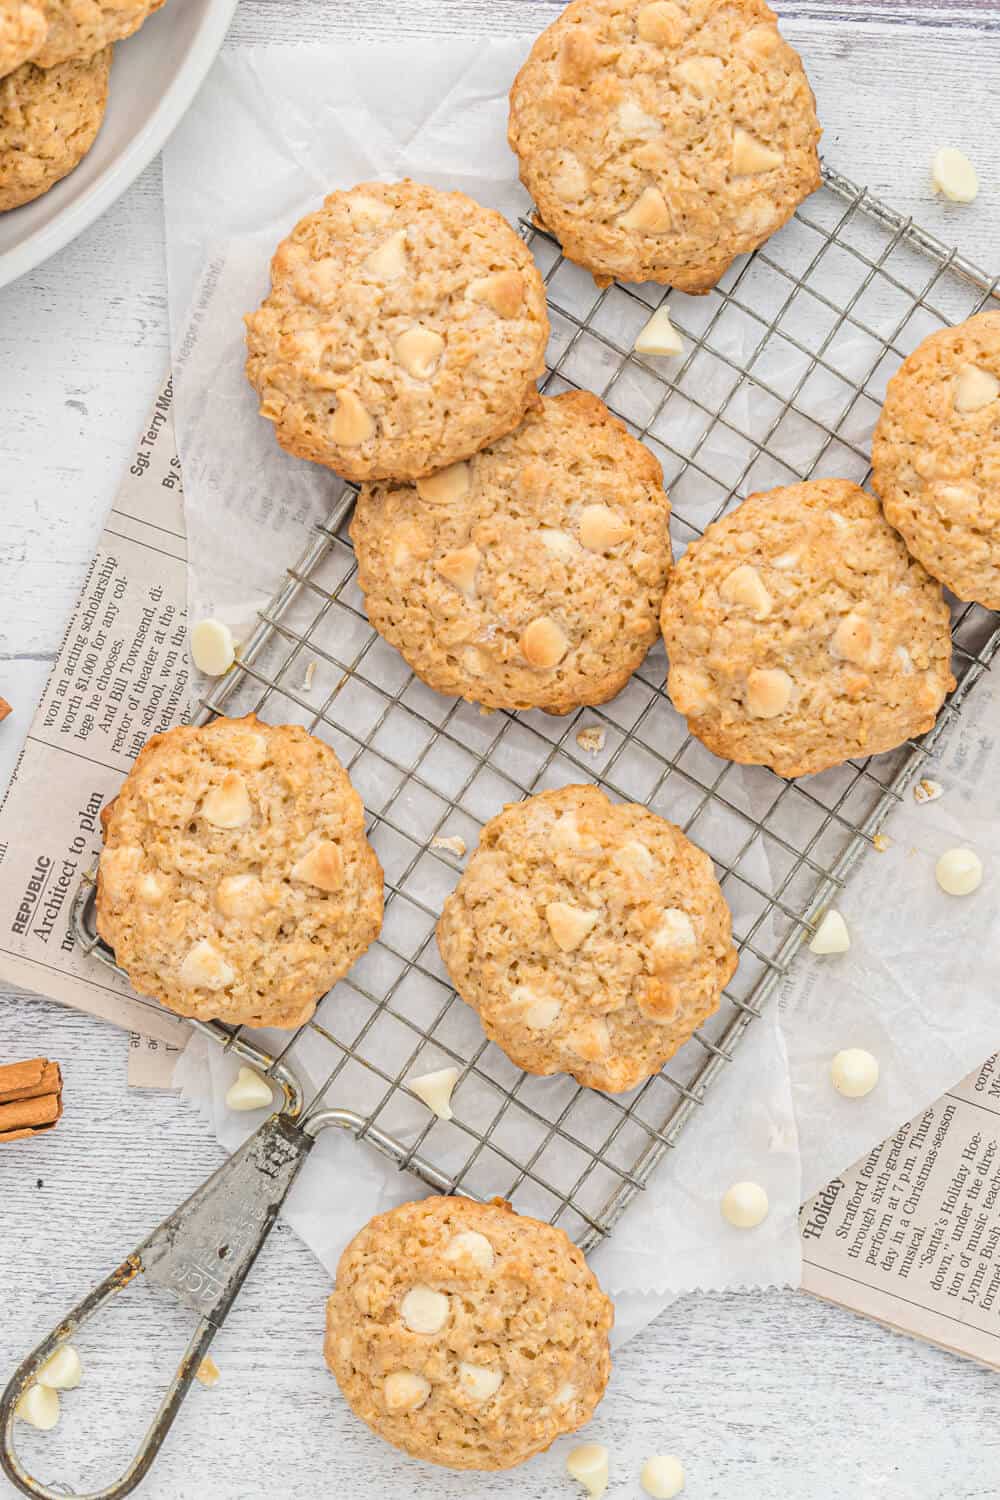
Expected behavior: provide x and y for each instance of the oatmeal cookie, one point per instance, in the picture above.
(591, 936)
(529, 576)
(936, 457)
(22, 32)
(49, 119)
(236, 881)
(79, 28)
(800, 632)
(466, 1334)
(404, 330)
(660, 140)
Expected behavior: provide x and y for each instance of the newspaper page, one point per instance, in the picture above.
(151, 1062)
(910, 1235)
(120, 676)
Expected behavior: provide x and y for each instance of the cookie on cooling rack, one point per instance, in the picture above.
(591, 936)
(936, 457)
(236, 881)
(22, 32)
(466, 1334)
(404, 330)
(531, 575)
(79, 28)
(660, 140)
(49, 119)
(800, 632)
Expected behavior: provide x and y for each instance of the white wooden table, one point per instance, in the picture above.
(762, 1394)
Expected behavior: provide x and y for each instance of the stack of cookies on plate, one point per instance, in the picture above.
(515, 549)
(55, 60)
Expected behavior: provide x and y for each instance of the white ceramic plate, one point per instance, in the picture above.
(154, 77)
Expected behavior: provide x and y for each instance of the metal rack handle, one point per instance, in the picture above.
(201, 1254)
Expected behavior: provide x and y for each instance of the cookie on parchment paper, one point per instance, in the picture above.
(404, 330)
(661, 140)
(800, 632)
(236, 881)
(49, 119)
(936, 456)
(466, 1334)
(592, 937)
(79, 28)
(531, 575)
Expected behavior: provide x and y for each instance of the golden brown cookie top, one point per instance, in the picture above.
(22, 32)
(800, 632)
(659, 140)
(49, 118)
(466, 1334)
(79, 28)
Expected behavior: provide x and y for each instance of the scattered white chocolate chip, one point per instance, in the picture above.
(959, 872)
(208, 1372)
(452, 842)
(460, 567)
(649, 214)
(543, 644)
(927, 790)
(661, 23)
(852, 640)
(565, 1394)
(591, 738)
(662, 1476)
(634, 123)
(419, 351)
(601, 528)
(744, 585)
(321, 866)
(539, 1014)
(831, 936)
(478, 1381)
(558, 543)
(389, 260)
(205, 968)
(768, 692)
(435, 1089)
(751, 155)
(250, 1091)
(589, 1462)
(761, 40)
(674, 930)
(446, 485)
(424, 1310)
(659, 336)
(62, 1370)
(745, 1205)
(569, 925)
(569, 177)
(405, 1391)
(39, 1407)
(503, 292)
(150, 890)
(228, 804)
(975, 388)
(701, 74)
(353, 424)
(591, 1039)
(954, 175)
(854, 1072)
(212, 648)
(469, 1244)
(240, 896)
(368, 211)
(307, 681)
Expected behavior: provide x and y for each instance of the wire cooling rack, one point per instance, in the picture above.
(784, 370)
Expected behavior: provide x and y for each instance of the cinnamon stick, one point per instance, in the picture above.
(30, 1098)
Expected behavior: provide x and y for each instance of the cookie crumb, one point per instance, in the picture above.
(591, 738)
(927, 790)
(452, 842)
(880, 842)
(208, 1372)
(310, 673)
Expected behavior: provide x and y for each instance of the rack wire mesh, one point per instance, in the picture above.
(784, 370)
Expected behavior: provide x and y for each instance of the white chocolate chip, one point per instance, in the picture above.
(768, 692)
(634, 123)
(761, 41)
(635, 857)
(62, 1370)
(569, 178)
(503, 292)
(419, 351)
(565, 1394)
(424, 1310)
(453, 843)
(435, 1090)
(569, 925)
(205, 968)
(661, 23)
(659, 336)
(601, 528)
(228, 804)
(405, 1391)
(751, 155)
(959, 872)
(591, 1039)
(478, 1381)
(674, 930)
(975, 388)
(469, 1244)
(852, 640)
(410, 543)
(954, 175)
(249, 1091)
(927, 790)
(831, 936)
(744, 585)
(559, 543)
(39, 1407)
(208, 1372)
(389, 260)
(785, 562)
(703, 74)
(649, 213)
(689, 690)
(662, 1476)
(460, 567)
(321, 866)
(446, 485)
(591, 738)
(475, 663)
(905, 660)
(352, 423)
(589, 1462)
(745, 1205)
(240, 896)
(543, 644)
(150, 890)
(367, 212)
(539, 1012)
(854, 1072)
(212, 649)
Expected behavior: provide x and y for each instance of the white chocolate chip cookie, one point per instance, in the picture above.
(662, 138)
(800, 632)
(936, 456)
(236, 881)
(530, 576)
(49, 119)
(404, 330)
(22, 32)
(77, 29)
(466, 1334)
(592, 937)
